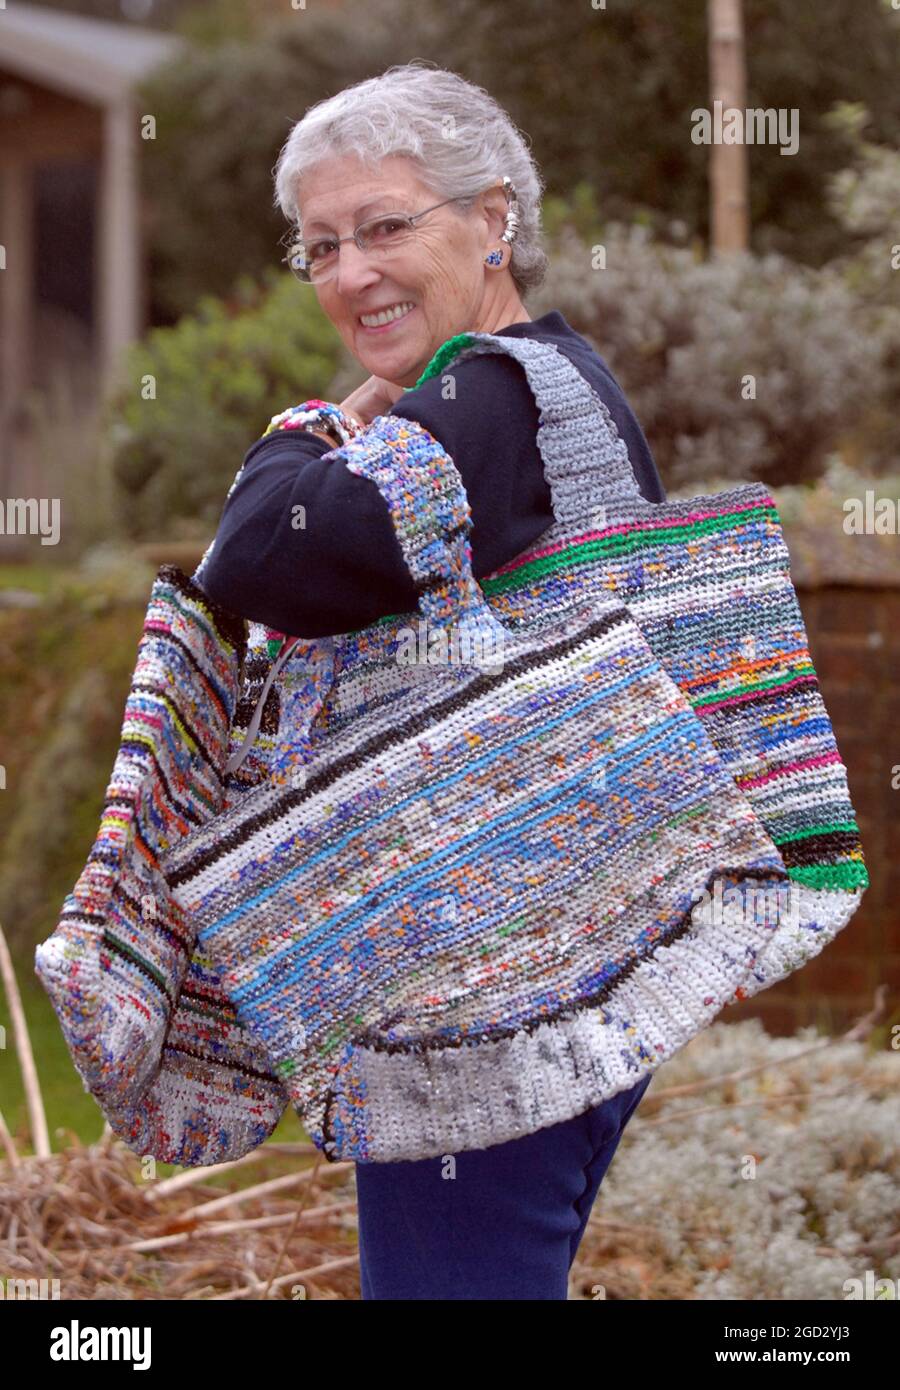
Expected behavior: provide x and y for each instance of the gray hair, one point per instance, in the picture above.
(460, 136)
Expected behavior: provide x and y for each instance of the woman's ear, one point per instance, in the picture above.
(496, 210)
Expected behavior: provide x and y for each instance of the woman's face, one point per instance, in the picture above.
(440, 270)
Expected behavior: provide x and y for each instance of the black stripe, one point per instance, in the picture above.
(828, 848)
(111, 859)
(173, 708)
(186, 651)
(91, 918)
(118, 950)
(797, 693)
(140, 749)
(376, 1042)
(228, 625)
(223, 1062)
(159, 923)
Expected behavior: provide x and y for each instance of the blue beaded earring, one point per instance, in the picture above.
(495, 258)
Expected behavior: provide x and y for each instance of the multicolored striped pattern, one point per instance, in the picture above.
(751, 682)
(480, 910)
(708, 580)
(154, 1036)
(462, 888)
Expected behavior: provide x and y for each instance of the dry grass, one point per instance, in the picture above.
(86, 1217)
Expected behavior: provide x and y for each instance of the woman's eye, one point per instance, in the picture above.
(386, 227)
(319, 249)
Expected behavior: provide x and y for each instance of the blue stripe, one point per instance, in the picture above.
(482, 762)
(487, 758)
(664, 736)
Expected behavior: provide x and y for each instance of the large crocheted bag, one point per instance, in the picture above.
(544, 829)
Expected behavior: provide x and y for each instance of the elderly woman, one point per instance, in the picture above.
(417, 212)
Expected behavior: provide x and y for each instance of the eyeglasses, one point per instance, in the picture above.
(384, 236)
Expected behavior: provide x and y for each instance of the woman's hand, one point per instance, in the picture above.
(374, 397)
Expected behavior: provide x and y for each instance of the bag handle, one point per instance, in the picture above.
(238, 757)
(581, 449)
(430, 512)
(585, 463)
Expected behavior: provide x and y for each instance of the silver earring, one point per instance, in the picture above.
(512, 217)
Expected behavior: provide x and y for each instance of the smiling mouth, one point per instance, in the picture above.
(395, 313)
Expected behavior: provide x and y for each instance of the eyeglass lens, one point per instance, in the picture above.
(382, 235)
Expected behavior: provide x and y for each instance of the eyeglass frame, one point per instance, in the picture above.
(411, 218)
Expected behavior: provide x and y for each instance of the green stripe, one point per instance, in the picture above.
(588, 552)
(853, 875)
(818, 830)
(585, 551)
(138, 960)
(806, 668)
(691, 813)
(147, 740)
(445, 353)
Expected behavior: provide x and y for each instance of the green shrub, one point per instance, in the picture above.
(193, 398)
(865, 199)
(681, 335)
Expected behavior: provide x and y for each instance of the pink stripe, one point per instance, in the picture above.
(624, 529)
(752, 694)
(152, 719)
(821, 761)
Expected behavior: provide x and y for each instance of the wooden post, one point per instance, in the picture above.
(728, 211)
(16, 297)
(118, 275)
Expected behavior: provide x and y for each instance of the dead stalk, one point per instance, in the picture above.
(36, 1114)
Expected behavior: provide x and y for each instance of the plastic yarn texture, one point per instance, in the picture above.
(544, 830)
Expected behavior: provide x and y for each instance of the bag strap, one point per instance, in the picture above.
(238, 757)
(430, 512)
(585, 459)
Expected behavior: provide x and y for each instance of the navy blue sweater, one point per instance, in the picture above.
(344, 569)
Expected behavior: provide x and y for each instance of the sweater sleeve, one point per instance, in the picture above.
(489, 429)
(304, 545)
(344, 569)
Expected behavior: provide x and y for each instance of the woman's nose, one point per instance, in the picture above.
(355, 269)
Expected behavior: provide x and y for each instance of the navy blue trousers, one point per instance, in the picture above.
(507, 1226)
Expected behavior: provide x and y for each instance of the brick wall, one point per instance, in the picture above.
(854, 639)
